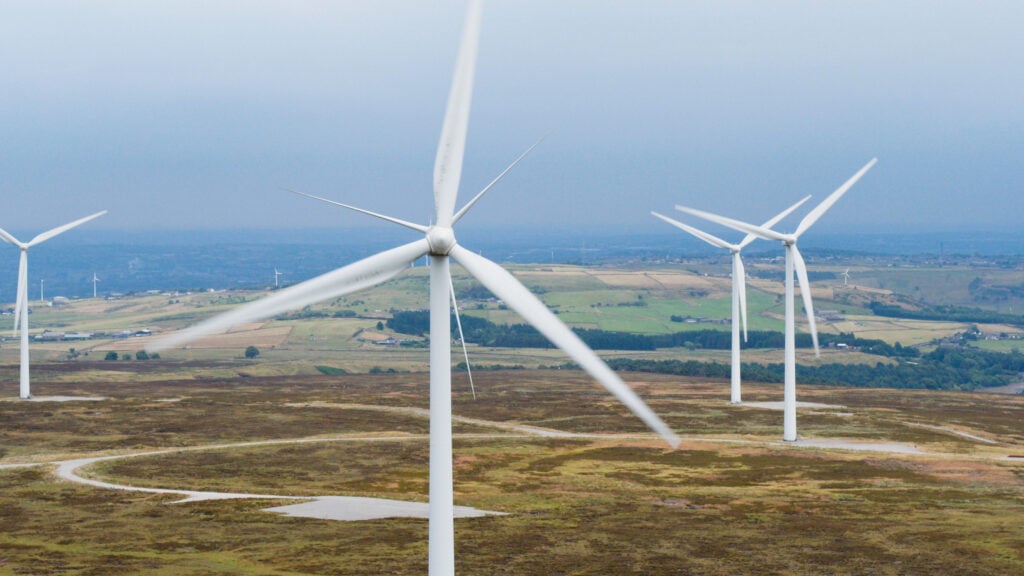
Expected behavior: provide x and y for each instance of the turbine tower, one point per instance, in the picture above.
(739, 285)
(21, 306)
(846, 277)
(95, 279)
(439, 244)
(793, 261)
(276, 276)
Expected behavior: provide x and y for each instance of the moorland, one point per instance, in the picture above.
(882, 481)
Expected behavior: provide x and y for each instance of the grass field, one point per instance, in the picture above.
(1001, 345)
(641, 302)
(613, 500)
(731, 500)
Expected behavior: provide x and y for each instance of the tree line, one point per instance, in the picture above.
(946, 313)
(483, 332)
(945, 368)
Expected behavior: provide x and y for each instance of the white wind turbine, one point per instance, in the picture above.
(846, 277)
(95, 279)
(21, 306)
(439, 244)
(793, 261)
(739, 285)
(276, 276)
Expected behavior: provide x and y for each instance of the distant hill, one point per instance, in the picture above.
(196, 260)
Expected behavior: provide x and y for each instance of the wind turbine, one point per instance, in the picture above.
(846, 277)
(793, 261)
(276, 276)
(439, 244)
(21, 306)
(95, 279)
(739, 285)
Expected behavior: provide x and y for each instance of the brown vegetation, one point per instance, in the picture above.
(731, 500)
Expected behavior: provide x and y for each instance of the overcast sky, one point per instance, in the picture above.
(196, 114)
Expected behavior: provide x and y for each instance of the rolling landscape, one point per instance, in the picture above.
(271, 338)
(890, 481)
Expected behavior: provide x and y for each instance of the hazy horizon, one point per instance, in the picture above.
(196, 115)
(157, 260)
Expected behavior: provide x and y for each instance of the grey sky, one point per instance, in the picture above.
(195, 114)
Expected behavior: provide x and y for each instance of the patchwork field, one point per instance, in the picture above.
(610, 299)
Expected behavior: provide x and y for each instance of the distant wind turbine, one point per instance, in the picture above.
(21, 306)
(739, 285)
(439, 244)
(95, 279)
(846, 277)
(793, 260)
(276, 276)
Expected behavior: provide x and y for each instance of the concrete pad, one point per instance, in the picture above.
(67, 398)
(348, 508)
(779, 405)
(890, 447)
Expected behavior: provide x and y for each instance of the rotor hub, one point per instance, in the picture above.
(441, 240)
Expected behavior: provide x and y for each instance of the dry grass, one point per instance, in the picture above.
(238, 338)
(578, 506)
(732, 500)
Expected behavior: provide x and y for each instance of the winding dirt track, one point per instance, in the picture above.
(358, 508)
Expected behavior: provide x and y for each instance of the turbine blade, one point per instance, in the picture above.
(805, 292)
(519, 298)
(21, 303)
(412, 225)
(758, 231)
(458, 216)
(452, 146)
(462, 337)
(827, 203)
(6, 236)
(356, 276)
(713, 240)
(741, 282)
(775, 220)
(61, 229)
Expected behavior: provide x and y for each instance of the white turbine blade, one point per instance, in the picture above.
(6, 236)
(827, 203)
(805, 292)
(458, 215)
(61, 229)
(452, 146)
(778, 218)
(412, 225)
(741, 282)
(759, 231)
(500, 282)
(462, 336)
(713, 240)
(21, 303)
(356, 276)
